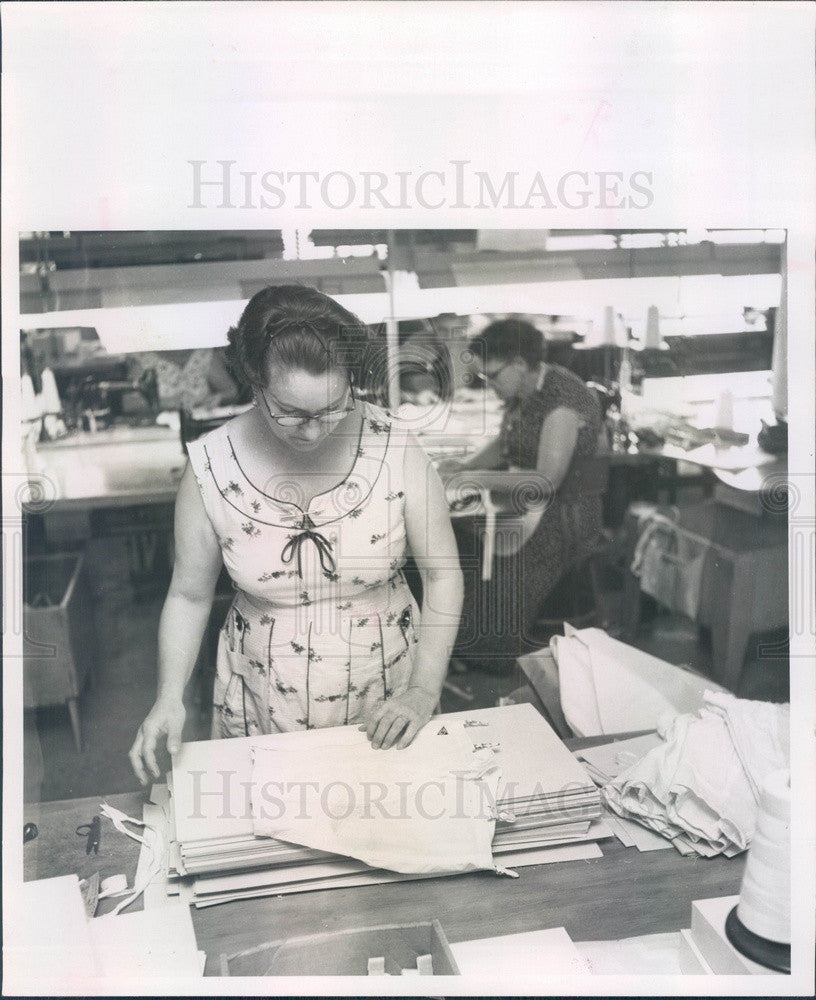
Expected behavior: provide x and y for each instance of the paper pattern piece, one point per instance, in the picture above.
(647, 955)
(50, 937)
(606, 761)
(371, 876)
(147, 943)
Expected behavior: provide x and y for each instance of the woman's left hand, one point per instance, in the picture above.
(397, 721)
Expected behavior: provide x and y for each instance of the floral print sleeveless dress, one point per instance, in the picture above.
(498, 615)
(322, 626)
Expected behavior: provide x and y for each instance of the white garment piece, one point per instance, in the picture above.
(759, 730)
(608, 686)
(427, 809)
(696, 787)
(579, 699)
(151, 841)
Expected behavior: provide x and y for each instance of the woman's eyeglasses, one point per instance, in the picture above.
(488, 378)
(327, 417)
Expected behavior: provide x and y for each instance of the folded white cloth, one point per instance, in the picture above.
(700, 787)
(760, 732)
(427, 809)
(608, 686)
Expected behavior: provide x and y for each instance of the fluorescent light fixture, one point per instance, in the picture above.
(513, 240)
(180, 326)
(592, 241)
(634, 241)
(725, 236)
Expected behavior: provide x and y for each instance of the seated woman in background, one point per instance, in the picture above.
(188, 378)
(551, 419)
(425, 371)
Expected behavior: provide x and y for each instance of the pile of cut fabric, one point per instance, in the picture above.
(700, 788)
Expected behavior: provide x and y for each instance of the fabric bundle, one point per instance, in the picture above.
(700, 787)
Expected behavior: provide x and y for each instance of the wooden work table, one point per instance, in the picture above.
(622, 894)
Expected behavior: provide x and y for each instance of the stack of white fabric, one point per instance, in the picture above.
(700, 788)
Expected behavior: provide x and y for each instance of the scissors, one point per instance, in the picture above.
(93, 831)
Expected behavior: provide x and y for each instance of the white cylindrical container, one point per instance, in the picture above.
(725, 411)
(50, 396)
(652, 338)
(764, 906)
(609, 326)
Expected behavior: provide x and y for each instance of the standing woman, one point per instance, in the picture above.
(311, 500)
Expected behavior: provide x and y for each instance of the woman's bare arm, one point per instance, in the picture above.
(181, 626)
(433, 546)
(556, 444)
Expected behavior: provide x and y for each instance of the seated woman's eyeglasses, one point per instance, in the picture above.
(484, 378)
(298, 419)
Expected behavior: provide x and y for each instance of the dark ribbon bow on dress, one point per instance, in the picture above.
(324, 548)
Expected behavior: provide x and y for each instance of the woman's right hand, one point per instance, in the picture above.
(165, 719)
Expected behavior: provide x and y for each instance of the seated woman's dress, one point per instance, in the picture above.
(322, 626)
(497, 614)
(183, 377)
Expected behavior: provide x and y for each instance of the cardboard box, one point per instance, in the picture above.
(346, 953)
(692, 960)
(708, 932)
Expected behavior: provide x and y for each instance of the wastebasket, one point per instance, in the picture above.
(58, 632)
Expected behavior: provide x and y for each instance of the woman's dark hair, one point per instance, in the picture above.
(298, 327)
(505, 339)
(425, 363)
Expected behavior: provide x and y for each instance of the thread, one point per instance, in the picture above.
(764, 903)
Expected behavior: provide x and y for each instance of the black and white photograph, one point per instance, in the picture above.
(408, 479)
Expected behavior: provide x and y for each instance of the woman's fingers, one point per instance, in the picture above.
(393, 724)
(394, 731)
(136, 759)
(370, 726)
(407, 737)
(150, 737)
(388, 721)
(386, 724)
